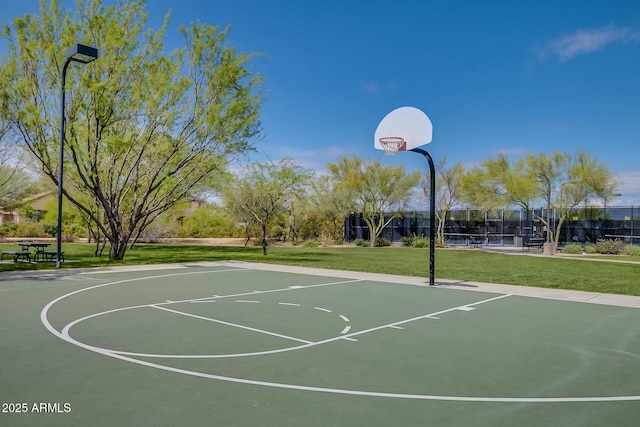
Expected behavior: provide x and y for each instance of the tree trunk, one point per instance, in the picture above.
(373, 230)
(100, 247)
(118, 241)
(247, 229)
(264, 238)
(117, 251)
(440, 231)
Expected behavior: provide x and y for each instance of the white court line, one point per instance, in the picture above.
(413, 319)
(235, 325)
(308, 344)
(484, 399)
(323, 309)
(289, 303)
(289, 288)
(248, 301)
(345, 318)
(65, 330)
(346, 329)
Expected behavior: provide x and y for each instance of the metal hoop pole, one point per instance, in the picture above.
(432, 214)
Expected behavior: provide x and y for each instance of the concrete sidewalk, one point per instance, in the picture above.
(528, 291)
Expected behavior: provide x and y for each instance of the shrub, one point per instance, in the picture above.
(407, 241)
(206, 221)
(572, 248)
(609, 246)
(381, 241)
(416, 241)
(632, 250)
(361, 242)
(7, 228)
(50, 229)
(590, 248)
(157, 229)
(310, 243)
(420, 242)
(28, 229)
(325, 239)
(311, 226)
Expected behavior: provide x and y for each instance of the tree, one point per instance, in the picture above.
(559, 180)
(329, 203)
(145, 128)
(448, 192)
(374, 189)
(207, 221)
(15, 182)
(264, 192)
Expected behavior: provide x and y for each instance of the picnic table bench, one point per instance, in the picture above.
(534, 242)
(16, 255)
(49, 256)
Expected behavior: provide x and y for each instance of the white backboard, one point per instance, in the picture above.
(408, 123)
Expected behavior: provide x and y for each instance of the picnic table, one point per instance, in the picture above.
(41, 253)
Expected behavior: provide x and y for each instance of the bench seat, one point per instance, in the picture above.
(534, 242)
(476, 241)
(49, 255)
(16, 255)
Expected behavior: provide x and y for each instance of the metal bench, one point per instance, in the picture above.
(16, 255)
(537, 242)
(476, 241)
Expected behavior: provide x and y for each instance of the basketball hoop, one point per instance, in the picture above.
(392, 144)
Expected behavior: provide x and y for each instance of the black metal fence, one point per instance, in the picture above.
(510, 227)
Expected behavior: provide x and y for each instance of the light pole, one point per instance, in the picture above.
(82, 54)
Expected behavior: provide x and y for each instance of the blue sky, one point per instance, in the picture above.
(493, 76)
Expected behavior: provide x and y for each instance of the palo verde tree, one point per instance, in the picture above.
(559, 180)
(448, 192)
(145, 127)
(329, 204)
(264, 192)
(374, 190)
(15, 182)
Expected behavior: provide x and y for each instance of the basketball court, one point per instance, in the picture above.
(234, 343)
(240, 344)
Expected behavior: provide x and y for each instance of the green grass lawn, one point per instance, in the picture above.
(457, 264)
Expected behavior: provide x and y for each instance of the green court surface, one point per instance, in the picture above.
(231, 344)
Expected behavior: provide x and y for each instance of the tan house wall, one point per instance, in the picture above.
(37, 202)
